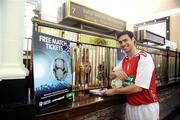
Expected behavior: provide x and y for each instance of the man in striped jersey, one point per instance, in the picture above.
(136, 70)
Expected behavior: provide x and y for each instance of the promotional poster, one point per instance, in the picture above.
(51, 70)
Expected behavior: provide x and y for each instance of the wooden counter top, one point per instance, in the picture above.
(83, 103)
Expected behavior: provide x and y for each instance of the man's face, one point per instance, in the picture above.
(126, 43)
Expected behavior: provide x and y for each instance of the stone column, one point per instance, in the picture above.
(1, 31)
(11, 39)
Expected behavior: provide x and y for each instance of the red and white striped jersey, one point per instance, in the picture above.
(140, 67)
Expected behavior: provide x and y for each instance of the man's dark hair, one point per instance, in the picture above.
(129, 33)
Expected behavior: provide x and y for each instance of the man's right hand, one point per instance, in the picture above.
(112, 75)
(121, 75)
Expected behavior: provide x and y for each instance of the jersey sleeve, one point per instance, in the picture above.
(144, 71)
(118, 67)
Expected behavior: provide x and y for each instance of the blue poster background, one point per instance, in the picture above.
(51, 56)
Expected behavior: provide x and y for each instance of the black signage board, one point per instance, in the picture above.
(155, 38)
(85, 14)
(145, 35)
(52, 76)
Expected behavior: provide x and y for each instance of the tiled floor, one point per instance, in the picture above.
(174, 116)
(177, 117)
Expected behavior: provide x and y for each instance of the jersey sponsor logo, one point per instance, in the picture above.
(129, 81)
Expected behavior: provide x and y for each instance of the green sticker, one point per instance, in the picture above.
(69, 95)
(129, 81)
